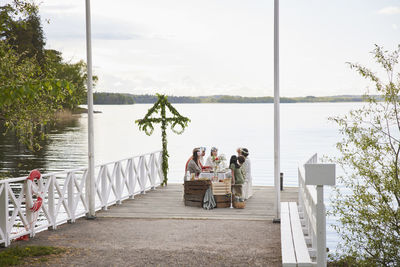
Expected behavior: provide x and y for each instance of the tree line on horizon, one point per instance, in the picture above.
(103, 98)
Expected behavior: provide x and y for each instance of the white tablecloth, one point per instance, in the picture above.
(221, 175)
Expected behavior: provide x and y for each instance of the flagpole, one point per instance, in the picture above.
(277, 206)
(90, 184)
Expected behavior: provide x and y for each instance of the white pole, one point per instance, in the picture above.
(321, 227)
(90, 179)
(276, 114)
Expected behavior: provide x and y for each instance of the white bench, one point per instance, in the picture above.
(294, 248)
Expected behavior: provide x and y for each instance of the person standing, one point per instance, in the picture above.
(248, 179)
(237, 174)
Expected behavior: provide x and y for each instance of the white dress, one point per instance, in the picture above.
(248, 179)
(209, 162)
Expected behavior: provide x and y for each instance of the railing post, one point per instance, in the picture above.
(153, 171)
(29, 213)
(321, 227)
(320, 175)
(142, 175)
(131, 182)
(71, 197)
(4, 213)
(118, 186)
(103, 170)
(51, 203)
(160, 167)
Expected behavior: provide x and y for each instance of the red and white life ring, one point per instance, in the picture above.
(34, 189)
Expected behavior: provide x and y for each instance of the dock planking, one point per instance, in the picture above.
(167, 203)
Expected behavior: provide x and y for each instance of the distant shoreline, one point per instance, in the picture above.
(128, 99)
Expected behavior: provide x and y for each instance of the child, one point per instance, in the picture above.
(237, 174)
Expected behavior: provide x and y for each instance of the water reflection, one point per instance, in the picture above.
(16, 160)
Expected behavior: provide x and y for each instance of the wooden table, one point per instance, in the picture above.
(195, 191)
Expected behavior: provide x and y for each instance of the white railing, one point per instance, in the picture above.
(65, 196)
(311, 205)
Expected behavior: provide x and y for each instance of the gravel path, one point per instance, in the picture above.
(163, 242)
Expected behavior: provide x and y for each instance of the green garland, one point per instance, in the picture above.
(147, 125)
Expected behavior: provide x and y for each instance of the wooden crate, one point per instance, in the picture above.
(195, 191)
(222, 188)
(222, 201)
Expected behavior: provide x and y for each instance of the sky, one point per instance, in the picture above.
(209, 47)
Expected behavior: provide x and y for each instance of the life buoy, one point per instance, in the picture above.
(34, 189)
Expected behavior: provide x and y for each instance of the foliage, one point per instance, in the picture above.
(147, 125)
(16, 255)
(369, 217)
(34, 82)
(74, 73)
(24, 35)
(27, 103)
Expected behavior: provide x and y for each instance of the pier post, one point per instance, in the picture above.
(320, 175)
(276, 115)
(321, 227)
(4, 213)
(90, 181)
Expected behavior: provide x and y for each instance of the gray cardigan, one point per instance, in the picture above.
(193, 167)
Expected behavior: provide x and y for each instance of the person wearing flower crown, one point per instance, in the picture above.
(213, 155)
(202, 154)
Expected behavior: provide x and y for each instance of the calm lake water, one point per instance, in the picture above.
(305, 130)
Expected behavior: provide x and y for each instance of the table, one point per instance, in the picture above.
(195, 190)
(221, 175)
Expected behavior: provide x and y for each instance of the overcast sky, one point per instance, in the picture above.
(206, 47)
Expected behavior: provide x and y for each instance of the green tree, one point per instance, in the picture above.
(31, 88)
(74, 73)
(147, 125)
(369, 216)
(26, 102)
(21, 27)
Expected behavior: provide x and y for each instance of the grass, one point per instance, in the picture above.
(18, 255)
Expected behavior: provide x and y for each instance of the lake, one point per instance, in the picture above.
(305, 130)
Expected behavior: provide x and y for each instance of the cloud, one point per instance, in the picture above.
(72, 26)
(390, 10)
(395, 27)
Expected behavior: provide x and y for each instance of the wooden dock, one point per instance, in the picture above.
(167, 203)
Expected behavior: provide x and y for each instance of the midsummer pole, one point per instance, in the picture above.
(277, 207)
(90, 184)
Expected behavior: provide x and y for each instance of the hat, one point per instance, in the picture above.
(214, 149)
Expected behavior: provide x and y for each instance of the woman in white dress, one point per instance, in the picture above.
(214, 153)
(247, 173)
